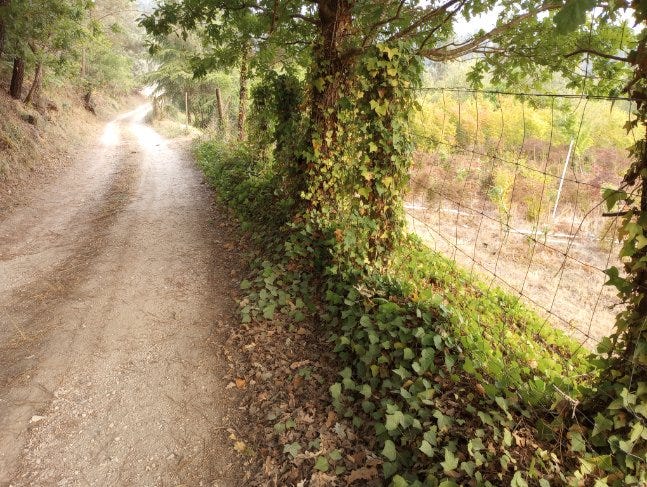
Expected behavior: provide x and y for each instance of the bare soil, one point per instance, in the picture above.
(117, 286)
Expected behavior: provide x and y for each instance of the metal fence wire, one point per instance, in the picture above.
(510, 187)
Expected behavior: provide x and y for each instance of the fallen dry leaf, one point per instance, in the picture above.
(241, 383)
(364, 473)
(332, 418)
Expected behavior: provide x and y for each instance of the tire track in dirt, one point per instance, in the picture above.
(26, 305)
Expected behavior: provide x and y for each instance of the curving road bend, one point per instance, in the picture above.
(114, 286)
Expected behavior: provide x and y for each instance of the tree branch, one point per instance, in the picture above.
(443, 53)
(596, 53)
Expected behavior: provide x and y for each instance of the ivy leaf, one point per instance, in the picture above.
(292, 448)
(389, 451)
(518, 480)
(319, 84)
(322, 464)
(268, 311)
(335, 390)
(427, 449)
(393, 420)
(398, 481)
(641, 241)
(335, 455)
(450, 463)
(616, 281)
(612, 196)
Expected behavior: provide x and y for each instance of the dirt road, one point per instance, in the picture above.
(114, 290)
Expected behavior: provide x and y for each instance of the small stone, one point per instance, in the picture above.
(36, 419)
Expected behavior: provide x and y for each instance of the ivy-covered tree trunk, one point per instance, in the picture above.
(34, 92)
(329, 79)
(243, 95)
(385, 78)
(17, 78)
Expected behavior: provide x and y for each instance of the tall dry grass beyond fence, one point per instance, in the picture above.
(510, 186)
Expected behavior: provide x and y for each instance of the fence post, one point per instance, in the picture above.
(561, 181)
(186, 108)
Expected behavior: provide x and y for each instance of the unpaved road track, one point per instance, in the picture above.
(113, 284)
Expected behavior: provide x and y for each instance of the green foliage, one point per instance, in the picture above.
(459, 383)
(77, 37)
(355, 188)
(246, 186)
(278, 127)
(175, 78)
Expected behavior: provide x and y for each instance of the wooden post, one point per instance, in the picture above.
(221, 111)
(186, 108)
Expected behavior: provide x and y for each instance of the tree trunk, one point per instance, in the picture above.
(17, 78)
(331, 61)
(243, 94)
(332, 64)
(34, 92)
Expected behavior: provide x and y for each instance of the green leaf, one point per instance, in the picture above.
(427, 449)
(335, 455)
(245, 284)
(518, 480)
(365, 390)
(335, 390)
(572, 15)
(268, 311)
(389, 451)
(292, 448)
(322, 464)
(451, 462)
(577, 442)
(622, 285)
(393, 420)
(399, 482)
(319, 84)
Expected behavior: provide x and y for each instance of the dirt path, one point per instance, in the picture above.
(113, 284)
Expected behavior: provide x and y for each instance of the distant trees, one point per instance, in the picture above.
(212, 96)
(62, 39)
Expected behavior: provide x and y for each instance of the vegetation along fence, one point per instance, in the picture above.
(519, 189)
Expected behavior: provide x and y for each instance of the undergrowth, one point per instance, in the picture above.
(459, 383)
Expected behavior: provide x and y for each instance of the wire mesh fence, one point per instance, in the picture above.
(510, 187)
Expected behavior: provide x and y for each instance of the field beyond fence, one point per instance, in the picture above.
(510, 186)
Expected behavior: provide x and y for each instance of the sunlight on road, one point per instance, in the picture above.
(110, 137)
(146, 135)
